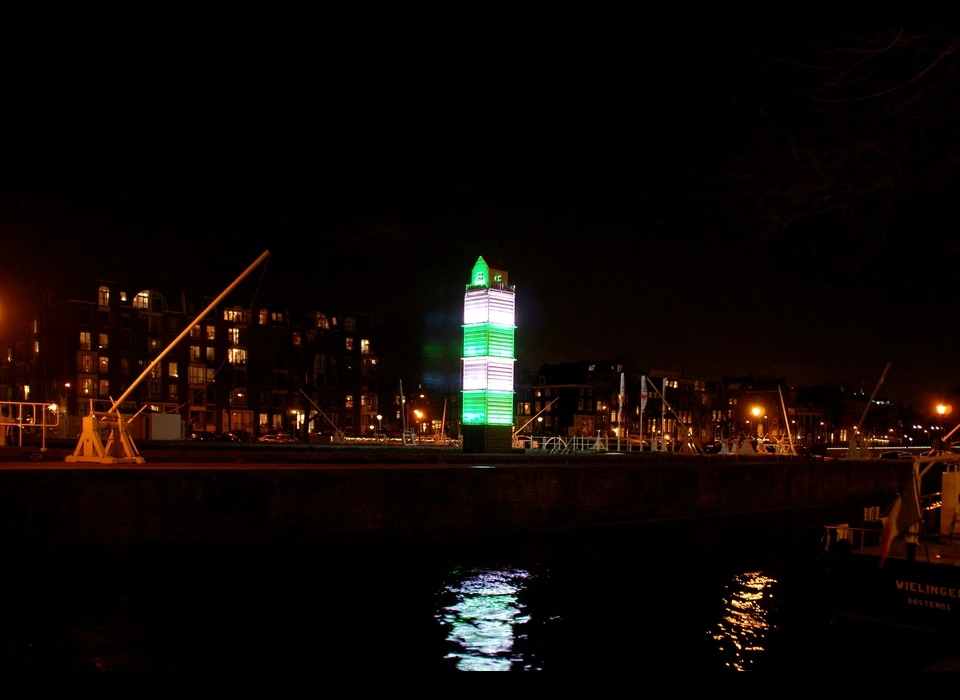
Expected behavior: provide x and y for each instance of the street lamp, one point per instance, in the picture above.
(757, 411)
(379, 423)
(540, 425)
(942, 410)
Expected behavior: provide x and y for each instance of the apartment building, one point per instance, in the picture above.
(244, 369)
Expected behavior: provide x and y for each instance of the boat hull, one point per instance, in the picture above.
(917, 593)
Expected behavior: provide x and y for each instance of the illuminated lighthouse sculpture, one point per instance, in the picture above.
(489, 314)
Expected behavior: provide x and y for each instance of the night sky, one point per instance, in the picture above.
(717, 205)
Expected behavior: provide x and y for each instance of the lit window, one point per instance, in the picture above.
(349, 343)
(348, 401)
(211, 354)
(85, 342)
(104, 364)
(103, 296)
(364, 346)
(211, 332)
(194, 353)
(172, 369)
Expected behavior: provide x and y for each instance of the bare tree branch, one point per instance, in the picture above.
(850, 126)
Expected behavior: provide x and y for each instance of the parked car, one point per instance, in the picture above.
(203, 435)
(277, 438)
(235, 436)
(896, 454)
(817, 450)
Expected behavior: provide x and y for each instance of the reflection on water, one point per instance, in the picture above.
(599, 602)
(748, 601)
(485, 619)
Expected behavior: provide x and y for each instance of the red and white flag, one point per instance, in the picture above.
(904, 513)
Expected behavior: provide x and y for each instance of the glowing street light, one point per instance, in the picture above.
(943, 410)
(379, 423)
(757, 412)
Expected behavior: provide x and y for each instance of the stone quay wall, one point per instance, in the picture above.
(89, 510)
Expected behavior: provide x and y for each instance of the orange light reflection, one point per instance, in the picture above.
(744, 625)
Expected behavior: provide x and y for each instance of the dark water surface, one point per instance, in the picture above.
(717, 595)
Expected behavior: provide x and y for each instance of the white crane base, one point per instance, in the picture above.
(118, 450)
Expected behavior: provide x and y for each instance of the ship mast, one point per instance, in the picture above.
(857, 448)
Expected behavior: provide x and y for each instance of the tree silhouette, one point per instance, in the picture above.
(856, 129)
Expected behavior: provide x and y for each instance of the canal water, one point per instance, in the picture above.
(709, 596)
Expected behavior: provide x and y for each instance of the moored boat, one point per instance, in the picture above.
(900, 563)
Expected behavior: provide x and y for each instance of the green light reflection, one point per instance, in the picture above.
(483, 621)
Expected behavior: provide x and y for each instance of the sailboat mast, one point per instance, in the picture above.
(663, 414)
(873, 395)
(786, 420)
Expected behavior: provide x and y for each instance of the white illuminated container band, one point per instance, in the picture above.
(489, 314)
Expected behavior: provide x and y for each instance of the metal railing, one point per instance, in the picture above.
(565, 445)
(27, 417)
(861, 537)
(856, 536)
(554, 444)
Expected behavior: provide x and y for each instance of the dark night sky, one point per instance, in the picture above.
(724, 206)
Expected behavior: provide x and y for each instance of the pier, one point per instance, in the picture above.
(278, 499)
